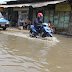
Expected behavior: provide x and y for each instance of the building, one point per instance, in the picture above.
(58, 12)
(70, 23)
(25, 9)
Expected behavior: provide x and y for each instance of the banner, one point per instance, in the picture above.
(63, 7)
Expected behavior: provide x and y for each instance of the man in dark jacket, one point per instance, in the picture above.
(38, 22)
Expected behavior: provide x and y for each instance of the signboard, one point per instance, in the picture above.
(63, 7)
(1, 9)
(20, 9)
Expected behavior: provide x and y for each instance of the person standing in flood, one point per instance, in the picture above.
(28, 23)
(21, 24)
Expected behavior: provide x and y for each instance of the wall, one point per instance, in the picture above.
(61, 20)
(70, 24)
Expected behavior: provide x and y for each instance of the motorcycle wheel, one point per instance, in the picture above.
(32, 34)
(43, 35)
(50, 36)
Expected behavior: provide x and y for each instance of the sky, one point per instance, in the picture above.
(4, 1)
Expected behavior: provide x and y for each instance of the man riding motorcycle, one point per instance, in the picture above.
(40, 29)
(38, 22)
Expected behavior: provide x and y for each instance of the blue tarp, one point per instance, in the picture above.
(3, 20)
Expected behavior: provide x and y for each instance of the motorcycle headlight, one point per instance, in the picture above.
(7, 23)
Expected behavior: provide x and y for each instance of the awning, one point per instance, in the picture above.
(34, 5)
(45, 3)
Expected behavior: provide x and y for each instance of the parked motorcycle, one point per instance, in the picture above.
(53, 29)
(46, 31)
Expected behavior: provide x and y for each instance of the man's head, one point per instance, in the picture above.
(39, 15)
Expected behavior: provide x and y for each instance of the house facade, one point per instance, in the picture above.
(60, 14)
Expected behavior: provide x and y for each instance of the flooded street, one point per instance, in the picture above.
(20, 53)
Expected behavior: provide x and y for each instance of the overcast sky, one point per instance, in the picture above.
(4, 1)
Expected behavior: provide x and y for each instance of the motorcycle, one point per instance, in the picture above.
(53, 29)
(46, 31)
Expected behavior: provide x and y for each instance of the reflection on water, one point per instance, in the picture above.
(20, 53)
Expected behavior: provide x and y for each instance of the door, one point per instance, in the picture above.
(61, 20)
(23, 15)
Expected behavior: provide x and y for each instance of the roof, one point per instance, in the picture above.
(4, 1)
(34, 5)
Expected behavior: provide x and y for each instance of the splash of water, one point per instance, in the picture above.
(51, 40)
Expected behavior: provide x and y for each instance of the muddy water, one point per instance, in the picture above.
(20, 53)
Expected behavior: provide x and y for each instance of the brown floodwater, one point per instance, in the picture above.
(20, 53)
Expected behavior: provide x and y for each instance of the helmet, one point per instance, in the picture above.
(40, 14)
